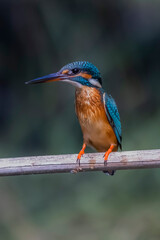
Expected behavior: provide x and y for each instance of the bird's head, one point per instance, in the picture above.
(79, 74)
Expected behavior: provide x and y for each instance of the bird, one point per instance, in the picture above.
(96, 111)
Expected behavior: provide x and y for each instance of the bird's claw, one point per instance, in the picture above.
(105, 162)
(105, 158)
(80, 155)
(78, 161)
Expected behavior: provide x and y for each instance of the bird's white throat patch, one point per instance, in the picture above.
(75, 84)
(94, 82)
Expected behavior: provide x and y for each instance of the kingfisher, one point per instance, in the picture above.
(96, 110)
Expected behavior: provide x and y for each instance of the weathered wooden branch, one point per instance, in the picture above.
(89, 162)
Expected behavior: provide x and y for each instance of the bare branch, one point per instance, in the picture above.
(89, 162)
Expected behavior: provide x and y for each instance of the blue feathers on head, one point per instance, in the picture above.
(85, 67)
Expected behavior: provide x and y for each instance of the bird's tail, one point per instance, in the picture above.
(110, 172)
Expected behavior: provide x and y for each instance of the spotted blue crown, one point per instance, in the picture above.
(85, 66)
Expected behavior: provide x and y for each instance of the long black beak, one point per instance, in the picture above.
(48, 78)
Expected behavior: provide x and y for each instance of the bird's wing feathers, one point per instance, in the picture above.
(113, 116)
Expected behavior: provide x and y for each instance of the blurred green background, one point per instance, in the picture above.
(122, 38)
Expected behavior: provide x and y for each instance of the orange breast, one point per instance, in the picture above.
(97, 132)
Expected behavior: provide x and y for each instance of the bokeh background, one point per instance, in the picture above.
(122, 38)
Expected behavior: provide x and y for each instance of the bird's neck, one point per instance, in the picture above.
(88, 96)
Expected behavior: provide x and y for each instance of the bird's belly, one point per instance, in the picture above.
(99, 136)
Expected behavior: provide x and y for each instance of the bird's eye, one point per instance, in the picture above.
(75, 70)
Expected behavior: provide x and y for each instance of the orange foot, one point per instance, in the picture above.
(107, 153)
(81, 153)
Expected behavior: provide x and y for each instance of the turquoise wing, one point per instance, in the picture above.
(113, 116)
